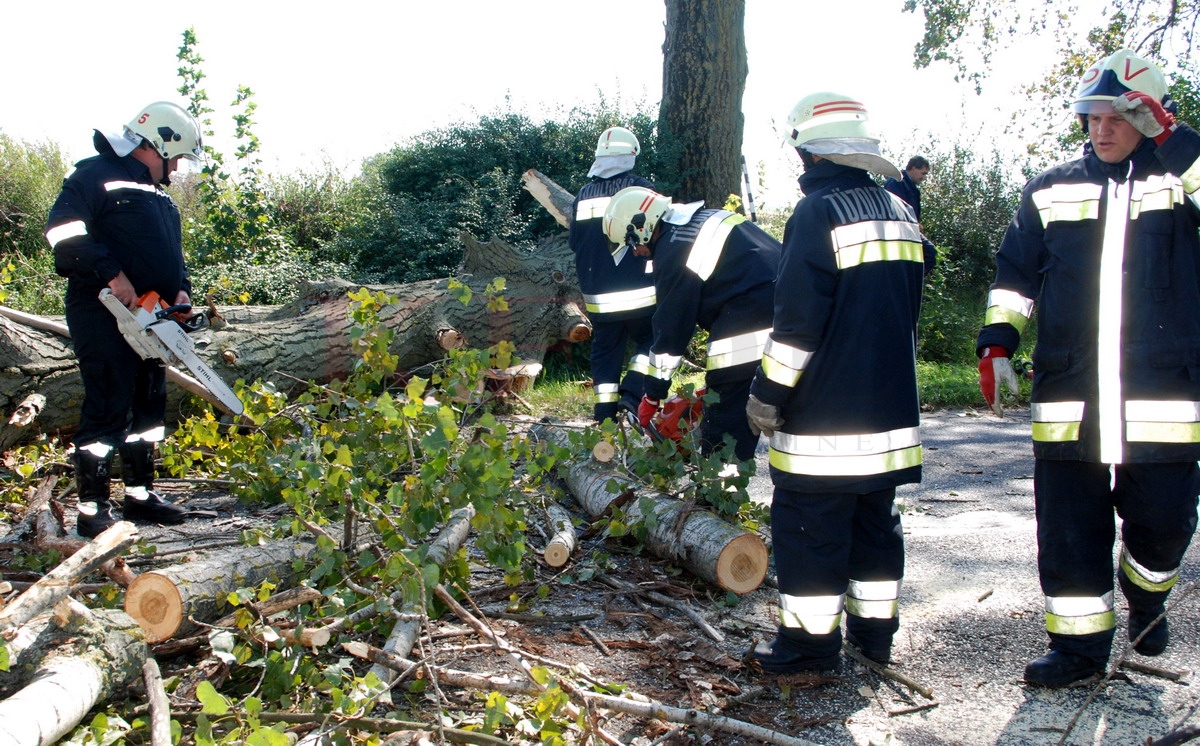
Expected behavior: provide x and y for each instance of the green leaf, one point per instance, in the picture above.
(212, 701)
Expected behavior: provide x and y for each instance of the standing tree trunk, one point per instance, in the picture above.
(704, 76)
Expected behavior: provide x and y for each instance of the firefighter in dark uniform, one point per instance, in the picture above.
(618, 295)
(712, 268)
(1106, 246)
(114, 227)
(836, 393)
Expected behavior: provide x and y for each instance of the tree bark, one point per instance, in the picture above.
(164, 602)
(710, 548)
(309, 339)
(704, 77)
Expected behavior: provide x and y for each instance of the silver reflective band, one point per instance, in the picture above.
(738, 350)
(591, 209)
(623, 300)
(153, 435)
(710, 241)
(112, 186)
(664, 366)
(874, 590)
(67, 230)
(1011, 301)
(1191, 182)
(854, 234)
(818, 615)
(782, 363)
(640, 364)
(99, 450)
(1158, 192)
(1162, 411)
(1145, 577)
(846, 455)
(1057, 411)
(1079, 605)
(608, 392)
(1068, 202)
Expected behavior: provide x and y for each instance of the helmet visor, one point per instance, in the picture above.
(1101, 105)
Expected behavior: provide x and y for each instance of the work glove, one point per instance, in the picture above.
(995, 368)
(764, 418)
(646, 410)
(1145, 114)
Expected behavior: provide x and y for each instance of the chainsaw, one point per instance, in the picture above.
(678, 415)
(157, 331)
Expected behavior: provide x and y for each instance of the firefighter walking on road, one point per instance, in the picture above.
(1107, 248)
(713, 269)
(836, 393)
(618, 294)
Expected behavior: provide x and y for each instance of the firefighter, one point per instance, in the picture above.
(618, 295)
(836, 393)
(114, 226)
(1106, 247)
(712, 268)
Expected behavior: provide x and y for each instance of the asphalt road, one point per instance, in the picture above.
(971, 614)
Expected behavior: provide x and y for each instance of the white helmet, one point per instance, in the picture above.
(836, 127)
(1119, 73)
(617, 141)
(631, 217)
(170, 129)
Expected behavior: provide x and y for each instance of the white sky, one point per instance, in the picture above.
(343, 81)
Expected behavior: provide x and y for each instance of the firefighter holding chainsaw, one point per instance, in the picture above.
(113, 226)
(1106, 247)
(617, 293)
(712, 268)
(836, 393)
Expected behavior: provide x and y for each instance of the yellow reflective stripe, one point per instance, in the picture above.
(640, 364)
(1008, 307)
(872, 609)
(846, 455)
(710, 241)
(780, 373)
(62, 232)
(877, 241)
(1080, 615)
(112, 186)
(1056, 422)
(1162, 432)
(1150, 421)
(623, 300)
(783, 363)
(1159, 192)
(607, 392)
(664, 366)
(1068, 202)
(817, 615)
(591, 209)
(1146, 578)
(737, 350)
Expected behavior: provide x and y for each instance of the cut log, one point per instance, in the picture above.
(103, 651)
(710, 548)
(165, 601)
(561, 545)
(58, 582)
(555, 199)
(18, 427)
(309, 339)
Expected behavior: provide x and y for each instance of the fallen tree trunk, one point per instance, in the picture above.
(709, 547)
(165, 601)
(100, 652)
(309, 339)
(561, 544)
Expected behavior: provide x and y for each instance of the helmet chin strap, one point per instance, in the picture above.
(166, 173)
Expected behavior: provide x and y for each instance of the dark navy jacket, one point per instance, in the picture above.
(905, 189)
(611, 292)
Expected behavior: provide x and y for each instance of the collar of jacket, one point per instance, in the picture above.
(823, 173)
(1142, 157)
(136, 169)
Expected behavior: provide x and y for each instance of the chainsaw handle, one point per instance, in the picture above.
(183, 309)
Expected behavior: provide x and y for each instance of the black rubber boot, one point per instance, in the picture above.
(1057, 669)
(873, 637)
(795, 651)
(141, 502)
(92, 486)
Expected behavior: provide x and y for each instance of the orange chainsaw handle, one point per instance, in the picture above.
(180, 313)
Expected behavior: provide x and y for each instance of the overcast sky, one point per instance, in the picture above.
(343, 81)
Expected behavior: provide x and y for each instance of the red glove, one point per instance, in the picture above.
(647, 410)
(1145, 114)
(995, 368)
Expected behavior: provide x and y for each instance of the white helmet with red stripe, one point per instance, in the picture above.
(617, 141)
(836, 127)
(632, 215)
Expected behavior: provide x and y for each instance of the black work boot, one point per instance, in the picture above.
(873, 637)
(92, 486)
(1144, 607)
(1057, 669)
(141, 502)
(794, 651)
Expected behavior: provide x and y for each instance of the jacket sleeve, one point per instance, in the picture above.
(678, 291)
(804, 290)
(1019, 262)
(1180, 154)
(69, 231)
